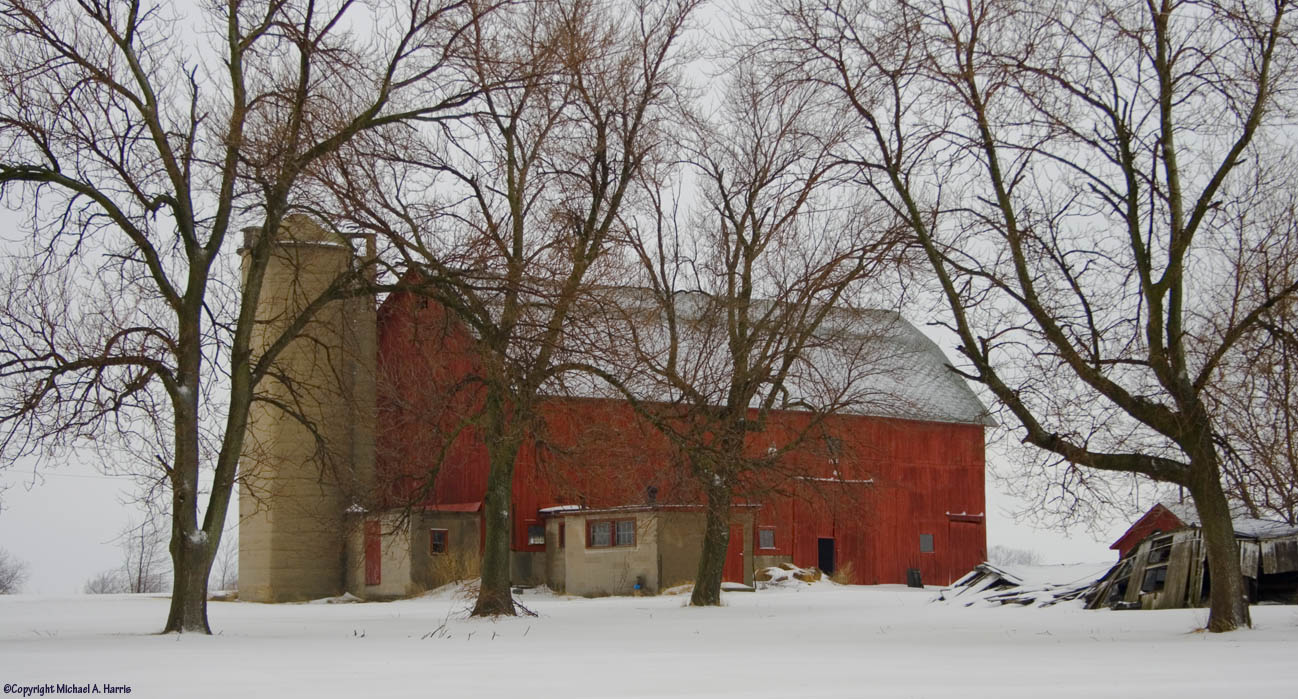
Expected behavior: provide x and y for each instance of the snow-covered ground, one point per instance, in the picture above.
(792, 640)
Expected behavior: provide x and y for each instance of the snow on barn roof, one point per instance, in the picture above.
(923, 386)
(860, 361)
(864, 361)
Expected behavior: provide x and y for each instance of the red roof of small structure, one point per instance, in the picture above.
(455, 507)
(1159, 519)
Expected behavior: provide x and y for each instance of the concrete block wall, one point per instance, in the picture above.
(613, 570)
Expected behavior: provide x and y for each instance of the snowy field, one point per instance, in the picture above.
(800, 640)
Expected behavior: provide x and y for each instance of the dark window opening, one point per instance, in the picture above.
(437, 540)
(1160, 551)
(562, 532)
(1278, 588)
(1155, 579)
(1118, 590)
(926, 543)
(766, 537)
(535, 535)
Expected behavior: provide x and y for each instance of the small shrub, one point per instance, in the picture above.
(452, 567)
(844, 575)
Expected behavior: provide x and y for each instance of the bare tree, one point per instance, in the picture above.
(1080, 178)
(1256, 399)
(145, 556)
(749, 302)
(108, 582)
(1009, 556)
(137, 147)
(574, 97)
(13, 573)
(225, 569)
(144, 561)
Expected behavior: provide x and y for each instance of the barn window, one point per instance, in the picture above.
(833, 449)
(535, 535)
(562, 531)
(607, 533)
(926, 543)
(766, 537)
(437, 539)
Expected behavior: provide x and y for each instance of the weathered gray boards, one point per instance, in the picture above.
(1167, 570)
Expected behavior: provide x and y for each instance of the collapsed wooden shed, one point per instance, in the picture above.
(1168, 570)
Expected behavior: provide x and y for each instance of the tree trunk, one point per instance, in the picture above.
(191, 554)
(1228, 608)
(716, 539)
(191, 565)
(494, 595)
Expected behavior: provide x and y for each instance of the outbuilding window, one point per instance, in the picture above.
(926, 543)
(766, 537)
(625, 533)
(607, 533)
(437, 539)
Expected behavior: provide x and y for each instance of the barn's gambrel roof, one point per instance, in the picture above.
(869, 361)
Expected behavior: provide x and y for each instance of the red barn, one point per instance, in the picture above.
(601, 505)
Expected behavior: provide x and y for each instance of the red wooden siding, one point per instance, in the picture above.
(892, 480)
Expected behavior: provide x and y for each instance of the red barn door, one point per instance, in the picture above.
(373, 552)
(968, 549)
(733, 571)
